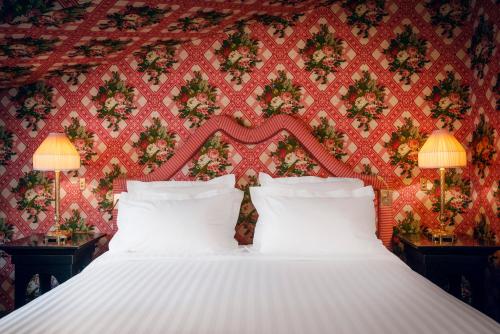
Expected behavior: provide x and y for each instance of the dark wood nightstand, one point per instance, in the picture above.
(34, 255)
(446, 263)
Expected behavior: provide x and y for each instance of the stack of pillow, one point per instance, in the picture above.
(299, 215)
(178, 217)
(312, 215)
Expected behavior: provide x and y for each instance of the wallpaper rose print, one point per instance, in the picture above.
(156, 145)
(280, 96)
(238, 54)
(114, 101)
(34, 103)
(197, 100)
(129, 82)
(364, 101)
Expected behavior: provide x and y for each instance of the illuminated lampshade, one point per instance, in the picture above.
(56, 153)
(442, 150)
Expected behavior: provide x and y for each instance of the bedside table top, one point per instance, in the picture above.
(38, 242)
(462, 243)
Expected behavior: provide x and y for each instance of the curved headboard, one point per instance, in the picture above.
(274, 125)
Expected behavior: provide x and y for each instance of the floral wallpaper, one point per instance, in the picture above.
(129, 82)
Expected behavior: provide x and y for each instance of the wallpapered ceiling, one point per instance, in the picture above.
(130, 81)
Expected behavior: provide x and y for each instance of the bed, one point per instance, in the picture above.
(246, 291)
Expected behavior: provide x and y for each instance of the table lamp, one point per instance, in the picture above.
(56, 153)
(442, 150)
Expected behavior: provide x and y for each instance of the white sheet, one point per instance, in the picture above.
(247, 293)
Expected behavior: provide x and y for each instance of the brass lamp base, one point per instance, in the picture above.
(440, 236)
(58, 236)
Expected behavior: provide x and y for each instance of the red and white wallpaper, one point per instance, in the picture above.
(130, 81)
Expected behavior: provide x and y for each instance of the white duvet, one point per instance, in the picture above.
(247, 293)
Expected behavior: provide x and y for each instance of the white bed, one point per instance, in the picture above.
(245, 292)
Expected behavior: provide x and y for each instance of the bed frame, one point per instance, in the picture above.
(274, 125)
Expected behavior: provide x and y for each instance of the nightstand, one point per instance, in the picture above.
(446, 263)
(34, 255)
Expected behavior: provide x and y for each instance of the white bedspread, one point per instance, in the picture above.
(247, 293)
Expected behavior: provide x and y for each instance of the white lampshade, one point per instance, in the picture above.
(56, 153)
(442, 150)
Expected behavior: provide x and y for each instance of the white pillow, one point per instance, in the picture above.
(184, 193)
(177, 226)
(338, 222)
(218, 182)
(311, 182)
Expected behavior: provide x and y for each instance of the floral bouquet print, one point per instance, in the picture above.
(6, 231)
(104, 190)
(482, 46)
(364, 14)
(238, 55)
(83, 140)
(100, 48)
(449, 100)
(281, 96)
(364, 100)
(482, 230)
(26, 46)
(199, 21)
(33, 103)
(332, 139)
(278, 22)
(213, 160)
(449, 14)
(6, 145)
(248, 215)
(404, 145)
(483, 146)
(114, 101)
(10, 74)
(323, 54)
(408, 225)
(407, 54)
(155, 145)
(41, 13)
(457, 195)
(157, 58)
(133, 18)
(291, 159)
(33, 194)
(72, 72)
(197, 100)
(76, 223)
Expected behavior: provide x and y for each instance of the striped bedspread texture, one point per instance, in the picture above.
(244, 292)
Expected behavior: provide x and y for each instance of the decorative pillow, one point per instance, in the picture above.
(311, 182)
(157, 186)
(310, 223)
(177, 226)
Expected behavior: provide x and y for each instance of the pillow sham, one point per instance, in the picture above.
(134, 186)
(302, 223)
(311, 182)
(177, 226)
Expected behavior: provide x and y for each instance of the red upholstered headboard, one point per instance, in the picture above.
(296, 127)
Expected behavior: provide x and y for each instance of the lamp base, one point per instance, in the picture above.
(58, 236)
(439, 236)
